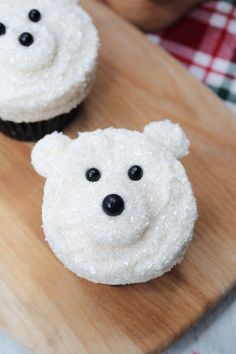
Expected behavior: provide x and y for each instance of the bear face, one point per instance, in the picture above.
(118, 207)
(48, 51)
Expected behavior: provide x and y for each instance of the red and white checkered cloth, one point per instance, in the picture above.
(205, 42)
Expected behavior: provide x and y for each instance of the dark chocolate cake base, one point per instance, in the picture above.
(37, 130)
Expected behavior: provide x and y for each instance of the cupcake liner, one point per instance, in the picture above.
(37, 130)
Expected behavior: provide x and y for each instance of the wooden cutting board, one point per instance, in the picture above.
(49, 309)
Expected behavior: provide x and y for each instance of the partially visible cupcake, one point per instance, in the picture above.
(48, 60)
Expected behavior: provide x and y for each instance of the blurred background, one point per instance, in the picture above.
(199, 34)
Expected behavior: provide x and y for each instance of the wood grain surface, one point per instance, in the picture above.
(49, 309)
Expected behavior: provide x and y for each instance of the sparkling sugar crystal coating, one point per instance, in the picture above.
(151, 230)
(48, 58)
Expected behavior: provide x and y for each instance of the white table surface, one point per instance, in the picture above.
(213, 334)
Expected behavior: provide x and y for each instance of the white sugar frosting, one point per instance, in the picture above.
(55, 73)
(152, 233)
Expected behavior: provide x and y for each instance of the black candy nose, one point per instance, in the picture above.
(113, 205)
(26, 39)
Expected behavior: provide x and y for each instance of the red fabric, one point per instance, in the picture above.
(205, 42)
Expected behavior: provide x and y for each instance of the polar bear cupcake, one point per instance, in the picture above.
(118, 206)
(48, 59)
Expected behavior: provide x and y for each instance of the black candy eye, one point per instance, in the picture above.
(35, 15)
(93, 175)
(26, 39)
(2, 29)
(135, 173)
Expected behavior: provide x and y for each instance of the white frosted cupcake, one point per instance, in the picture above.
(118, 206)
(47, 64)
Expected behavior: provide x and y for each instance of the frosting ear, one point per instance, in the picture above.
(48, 151)
(170, 135)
